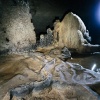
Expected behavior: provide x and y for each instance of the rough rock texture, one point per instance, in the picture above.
(71, 32)
(41, 77)
(47, 39)
(34, 75)
(16, 29)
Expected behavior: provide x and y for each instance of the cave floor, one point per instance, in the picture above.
(18, 69)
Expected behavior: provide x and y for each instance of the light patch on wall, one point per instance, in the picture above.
(93, 67)
(98, 13)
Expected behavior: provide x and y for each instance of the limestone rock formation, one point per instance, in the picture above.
(16, 30)
(46, 39)
(71, 32)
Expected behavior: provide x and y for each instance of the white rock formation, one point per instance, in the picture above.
(70, 32)
(16, 29)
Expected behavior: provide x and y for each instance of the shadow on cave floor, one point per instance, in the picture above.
(76, 55)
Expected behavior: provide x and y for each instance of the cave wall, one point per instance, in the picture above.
(44, 13)
(16, 22)
(16, 29)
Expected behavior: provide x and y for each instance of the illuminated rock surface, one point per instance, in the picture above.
(41, 77)
(44, 76)
(72, 33)
(16, 29)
